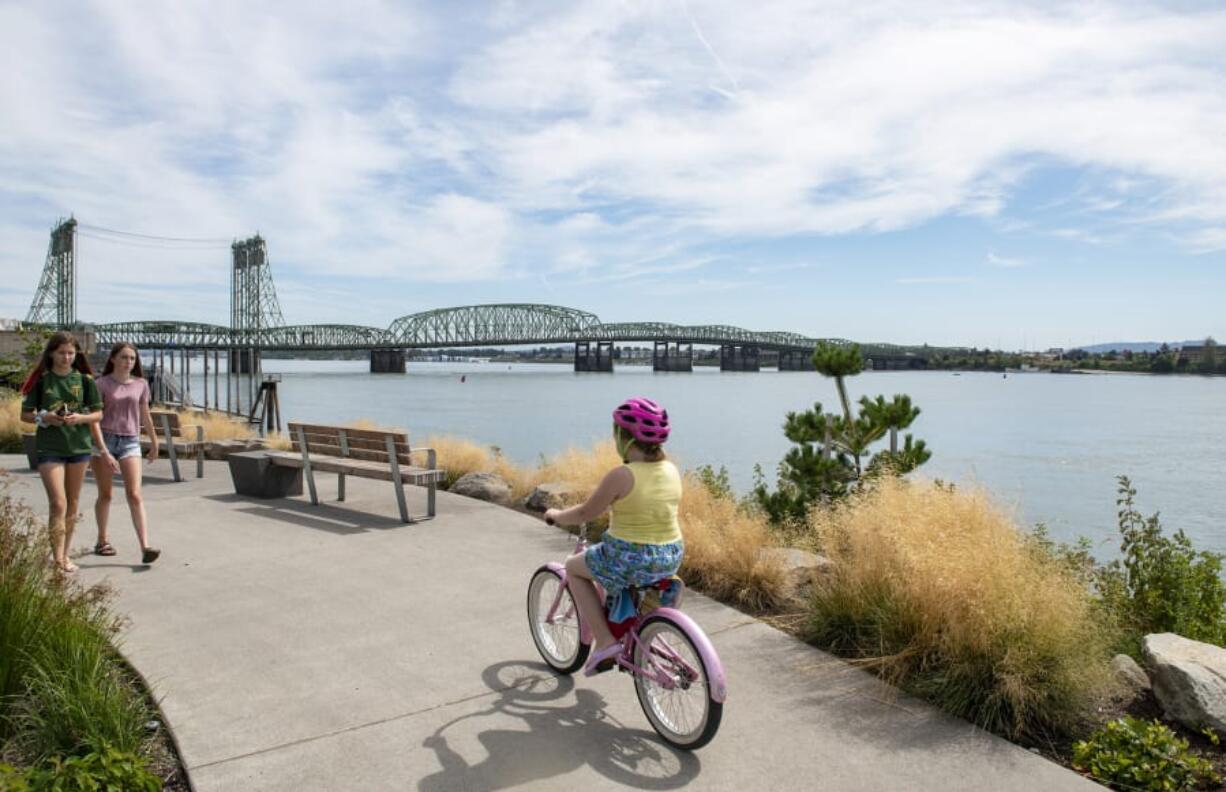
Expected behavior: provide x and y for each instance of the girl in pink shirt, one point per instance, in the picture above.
(125, 405)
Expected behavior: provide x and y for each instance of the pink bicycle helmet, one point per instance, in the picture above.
(644, 419)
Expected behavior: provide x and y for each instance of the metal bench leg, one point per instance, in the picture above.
(431, 463)
(397, 482)
(199, 452)
(306, 466)
(340, 477)
(170, 447)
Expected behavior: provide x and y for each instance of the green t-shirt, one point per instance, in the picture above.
(79, 394)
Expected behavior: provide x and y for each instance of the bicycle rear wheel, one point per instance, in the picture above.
(681, 710)
(557, 639)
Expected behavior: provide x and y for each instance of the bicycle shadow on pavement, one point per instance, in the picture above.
(568, 729)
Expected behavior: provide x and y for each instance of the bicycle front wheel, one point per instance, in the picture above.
(673, 685)
(557, 637)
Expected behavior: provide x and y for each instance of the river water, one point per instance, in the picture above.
(1047, 446)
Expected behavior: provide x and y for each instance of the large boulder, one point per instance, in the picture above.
(551, 495)
(1189, 679)
(804, 569)
(483, 486)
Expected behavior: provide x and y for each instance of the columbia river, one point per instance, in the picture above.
(1047, 446)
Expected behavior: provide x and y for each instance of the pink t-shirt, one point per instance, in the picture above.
(121, 403)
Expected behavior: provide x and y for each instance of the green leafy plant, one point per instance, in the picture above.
(1133, 754)
(107, 770)
(715, 482)
(832, 454)
(63, 689)
(1162, 583)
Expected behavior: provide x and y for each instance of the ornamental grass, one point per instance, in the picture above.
(11, 426)
(940, 593)
(63, 689)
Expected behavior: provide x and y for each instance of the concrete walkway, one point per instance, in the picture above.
(327, 648)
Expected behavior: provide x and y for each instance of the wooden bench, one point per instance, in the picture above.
(364, 453)
(175, 440)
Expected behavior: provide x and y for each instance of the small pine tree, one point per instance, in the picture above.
(828, 460)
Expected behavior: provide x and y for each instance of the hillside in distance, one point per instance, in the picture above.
(1136, 346)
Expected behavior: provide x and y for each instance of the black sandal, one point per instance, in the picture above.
(104, 549)
(149, 555)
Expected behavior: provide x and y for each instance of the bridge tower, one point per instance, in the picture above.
(55, 302)
(253, 302)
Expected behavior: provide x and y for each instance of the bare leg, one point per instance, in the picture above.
(584, 591)
(74, 475)
(52, 474)
(136, 501)
(102, 506)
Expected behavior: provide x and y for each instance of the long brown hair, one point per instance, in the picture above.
(45, 364)
(115, 350)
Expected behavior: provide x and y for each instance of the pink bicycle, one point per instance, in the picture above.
(677, 673)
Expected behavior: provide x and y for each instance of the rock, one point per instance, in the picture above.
(1128, 672)
(551, 495)
(483, 486)
(1189, 679)
(804, 569)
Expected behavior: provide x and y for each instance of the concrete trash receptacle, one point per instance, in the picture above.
(253, 474)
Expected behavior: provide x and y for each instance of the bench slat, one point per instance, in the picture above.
(356, 467)
(352, 434)
(354, 453)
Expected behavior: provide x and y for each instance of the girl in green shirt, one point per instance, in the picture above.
(60, 397)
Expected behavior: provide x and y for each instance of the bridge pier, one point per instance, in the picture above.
(387, 361)
(241, 360)
(740, 357)
(795, 360)
(589, 359)
(672, 357)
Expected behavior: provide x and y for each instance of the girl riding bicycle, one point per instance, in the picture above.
(643, 543)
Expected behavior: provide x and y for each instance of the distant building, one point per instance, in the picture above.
(1192, 354)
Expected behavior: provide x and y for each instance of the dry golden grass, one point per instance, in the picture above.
(723, 545)
(219, 426)
(11, 426)
(944, 595)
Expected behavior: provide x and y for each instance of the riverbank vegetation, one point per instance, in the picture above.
(70, 709)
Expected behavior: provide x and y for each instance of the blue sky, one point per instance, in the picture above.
(999, 174)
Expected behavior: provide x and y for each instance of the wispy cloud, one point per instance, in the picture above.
(1004, 262)
(934, 279)
(427, 143)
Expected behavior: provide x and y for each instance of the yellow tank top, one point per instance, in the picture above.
(648, 515)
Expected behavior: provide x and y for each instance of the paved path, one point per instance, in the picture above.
(333, 648)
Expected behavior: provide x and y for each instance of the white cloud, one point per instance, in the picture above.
(1004, 262)
(593, 140)
(933, 279)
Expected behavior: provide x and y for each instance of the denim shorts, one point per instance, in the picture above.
(617, 564)
(60, 459)
(120, 446)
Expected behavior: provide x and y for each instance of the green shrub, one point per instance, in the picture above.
(1132, 754)
(108, 770)
(715, 482)
(1161, 583)
(63, 689)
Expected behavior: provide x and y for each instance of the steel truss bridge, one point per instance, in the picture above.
(256, 322)
(466, 326)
